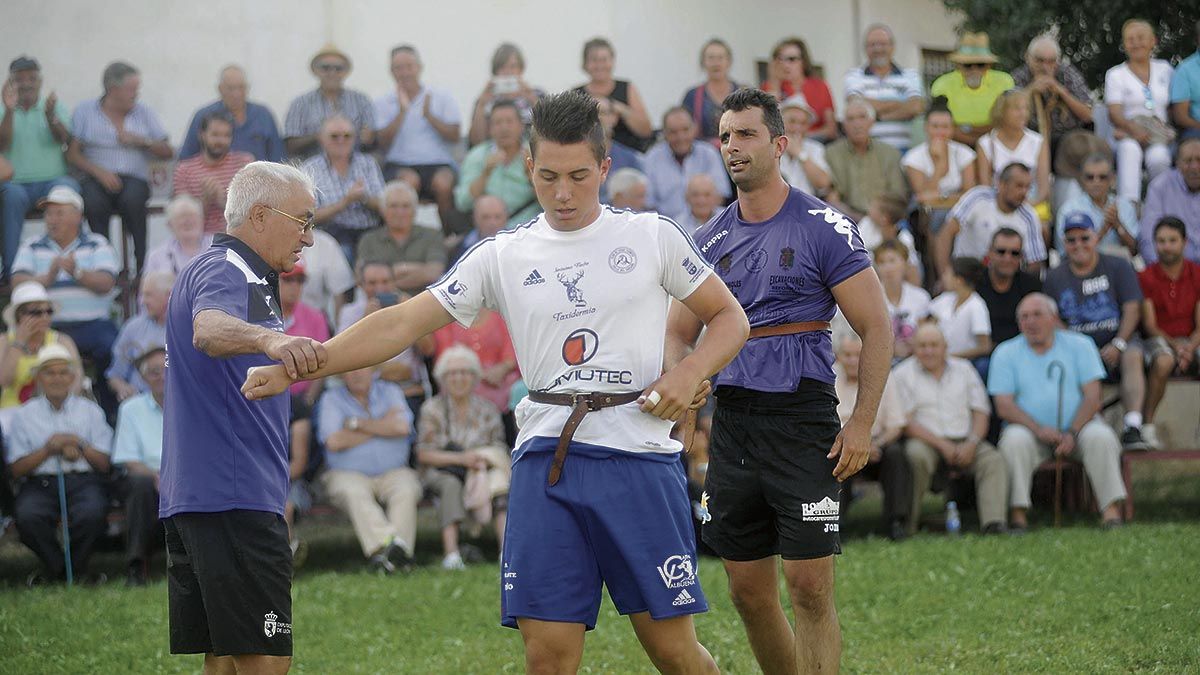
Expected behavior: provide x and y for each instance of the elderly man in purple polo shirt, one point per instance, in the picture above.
(778, 452)
(224, 474)
(1175, 193)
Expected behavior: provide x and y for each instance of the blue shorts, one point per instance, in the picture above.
(614, 518)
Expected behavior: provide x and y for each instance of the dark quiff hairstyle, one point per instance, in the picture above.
(565, 118)
(1172, 223)
(744, 99)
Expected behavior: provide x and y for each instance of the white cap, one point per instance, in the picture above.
(798, 101)
(61, 194)
(25, 293)
(51, 353)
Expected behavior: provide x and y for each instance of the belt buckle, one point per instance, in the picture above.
(578, 398)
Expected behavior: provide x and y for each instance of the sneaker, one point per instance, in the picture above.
(1150, 434)
(398, 556)
(380, 564)
(453, 561)
(995, 528)
(1132, 440)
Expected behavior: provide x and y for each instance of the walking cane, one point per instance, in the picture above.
(66, 529)
(1058, 462)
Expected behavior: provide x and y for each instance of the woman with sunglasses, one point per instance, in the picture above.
(791, 72)
(28, 318)
(1138, 93)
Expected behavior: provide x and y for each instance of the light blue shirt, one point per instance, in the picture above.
(92, 254)
(1185, 84)
(1082, 203)
(377, 455)
(139, 431)
(668, 177)
(36, 421)
(417, 142)
(1017, 370)
(137, 335)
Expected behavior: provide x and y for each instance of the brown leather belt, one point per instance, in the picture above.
(789, 328)
(581, 405)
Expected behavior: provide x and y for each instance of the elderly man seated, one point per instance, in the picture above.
(417, 254)
(349, 184)
(947, 410)
(1046, 385)
(675, 159)
(137, 447)
(703, 202)
(59, 432)
(628, 189)
(1060, 93)
(366, 427)
(147, 329)
(862, 168)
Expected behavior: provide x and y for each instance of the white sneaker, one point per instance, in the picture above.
(1150, 435)
(453, 561)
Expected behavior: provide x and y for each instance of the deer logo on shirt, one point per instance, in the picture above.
(571, 284)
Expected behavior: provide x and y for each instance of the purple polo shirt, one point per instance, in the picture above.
(781, 271)
(220, 451)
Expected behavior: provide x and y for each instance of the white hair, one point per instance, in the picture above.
(162, 281)
(1046, 300)
(860, 102)
(624, 179)
(1043, 40)
(402, 187)
(338, 117)
(181, 203)
(457, 356)
(265, 183)
(700, 178)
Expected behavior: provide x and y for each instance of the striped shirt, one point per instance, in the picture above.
(98, 138)
(308, 111)
(75, 302)
(190, 175)
(979, 217)
(332, 187)
(36, 421)
(897, 85)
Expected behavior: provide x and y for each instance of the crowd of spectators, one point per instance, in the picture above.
(1003, 250)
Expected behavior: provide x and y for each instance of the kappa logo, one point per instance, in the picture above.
(841, 224)
(622, 260)
(826, 509)
(678, 571)
(534, 278)
(684, 598)
(272, 626)
(580, 346)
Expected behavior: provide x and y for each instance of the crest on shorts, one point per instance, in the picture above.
(270, 624)
(702, 513)
(678, 571)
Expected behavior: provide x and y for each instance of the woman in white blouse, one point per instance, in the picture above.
(1137, 93)
(1011, 141)
(939, 170)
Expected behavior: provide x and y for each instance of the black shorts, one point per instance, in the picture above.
(770, 485)
(424, 171)
(229, 583)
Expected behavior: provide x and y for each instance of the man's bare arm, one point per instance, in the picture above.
(220, 335)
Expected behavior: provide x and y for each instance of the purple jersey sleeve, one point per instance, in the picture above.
(841, 250)
(221, 287)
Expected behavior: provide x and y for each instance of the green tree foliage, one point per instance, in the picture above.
(1089, 31)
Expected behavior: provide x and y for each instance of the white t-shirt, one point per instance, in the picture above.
(793, 169)
(417, 142)
(961, 325)
(587, 312)
(913, 306)
(1027, 153)
(327, 272)
(1121, 86)
(979, 217)
(960, 157)
(872, 237)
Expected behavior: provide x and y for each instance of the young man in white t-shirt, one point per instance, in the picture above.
(584, 290)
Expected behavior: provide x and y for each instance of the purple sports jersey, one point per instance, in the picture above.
(781, 271)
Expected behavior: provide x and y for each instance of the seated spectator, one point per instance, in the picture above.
(947, 412)
(28, 317)
(1170, 317)
(59, 431)
(1005, 284)
(1024, 381)
(883, 222)
(417, 254)
(206, 176)
(622, 156)
(941, 169)
(506, 84)
(676, 158)
(417, 147)
(907, 303)
(706, 102)
(79, 269)
(897, 96)
(861, 167)
(887, 463)
(185, 220)
(1011, 141)
(633, 128)
(148, 328)
(962, 315)
(254, 129)
(1061, 101)
(460, 435)
(348, 182)
(137, 446)
(328, 276)
(489, 217)
(1138, 96)
(972, 88)
(489, 340)
(1117, 215)
(308, 112)
(792, 72)
(497, 167)
(803, 162)
(1098, 295)
(1185, 93)
(114, 137)
(1175, 193)
(703, 202)
(627, 189)
(33, 132)
(365, 428)
(985, 209)
(300, 319)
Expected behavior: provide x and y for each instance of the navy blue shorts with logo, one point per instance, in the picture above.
(770, 488)
(614, 518)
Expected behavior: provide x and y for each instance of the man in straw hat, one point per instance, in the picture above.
(308, 111)
(972, 87)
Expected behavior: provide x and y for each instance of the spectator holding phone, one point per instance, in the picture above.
(506, 84)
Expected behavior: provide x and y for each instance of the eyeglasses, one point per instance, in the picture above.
(331, 67)
(306, 224)
(47, 311)
(1096, 176)
(789, 59)
(341, 137)
(1012, 252)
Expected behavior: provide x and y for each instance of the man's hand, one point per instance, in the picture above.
(1066, 445)
(853, 445)
(1110, 355)
(110, 180)
(676, 390)
(1048, 435)
(299, 355)
(701, 396)
(211, 190)
(1183, 356)
(425, 108)
(964, 453)
(494, 375)
(66, 263)
(122, 389)
(356, 193)
(265, 382)
(132, 140)
(51, 101)
(9, 95)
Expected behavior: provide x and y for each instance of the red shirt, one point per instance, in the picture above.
(189, 180)
(489, 339)
(815, 91)
(1174, 301)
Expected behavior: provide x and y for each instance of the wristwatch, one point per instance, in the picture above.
(353, 423)
(1119, 343)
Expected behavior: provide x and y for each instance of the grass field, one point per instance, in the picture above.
(1075, 600)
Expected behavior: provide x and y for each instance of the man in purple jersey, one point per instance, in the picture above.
(778, 453)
